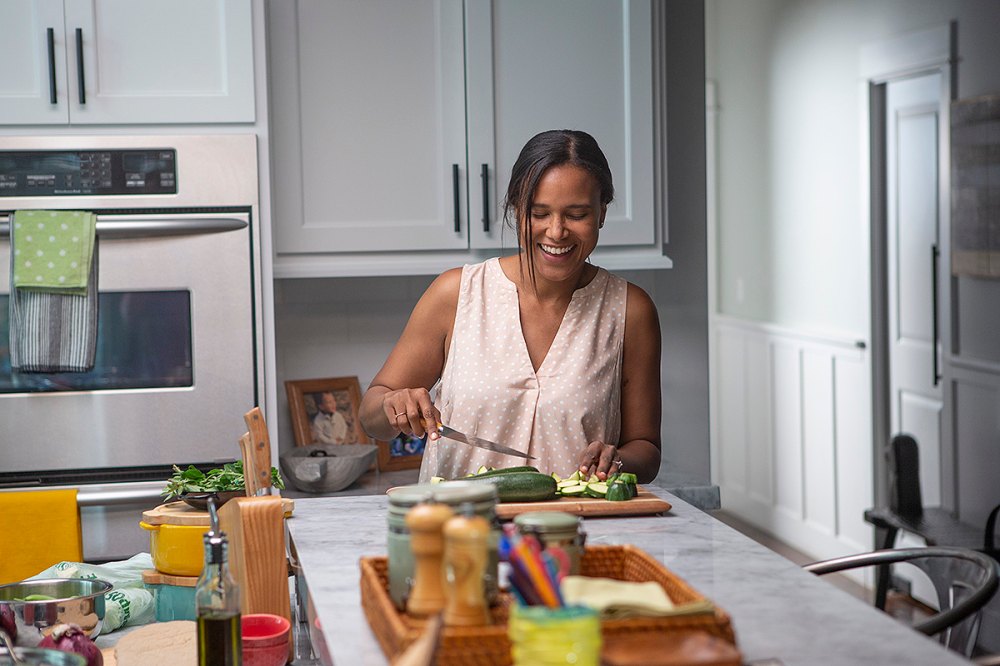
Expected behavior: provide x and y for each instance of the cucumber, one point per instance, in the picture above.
(619, 492)
(504, 470)
(597, 489)
(574, 491)
(519, 486)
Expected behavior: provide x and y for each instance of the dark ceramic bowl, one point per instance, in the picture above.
(200, 500)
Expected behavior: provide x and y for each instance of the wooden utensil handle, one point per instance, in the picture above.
(261, 448)
(249, 466)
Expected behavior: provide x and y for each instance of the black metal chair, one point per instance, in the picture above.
(906, 512)
(972, 579)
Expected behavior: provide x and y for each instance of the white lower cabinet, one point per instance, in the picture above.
(395, 125)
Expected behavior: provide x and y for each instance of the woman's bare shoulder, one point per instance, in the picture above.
(640, 310)
(443, 291)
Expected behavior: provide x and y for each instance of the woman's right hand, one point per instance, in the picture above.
(409, 409)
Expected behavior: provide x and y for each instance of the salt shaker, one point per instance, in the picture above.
(425, 522)
(466, 539)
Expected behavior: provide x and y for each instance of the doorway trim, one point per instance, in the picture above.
(911, 54)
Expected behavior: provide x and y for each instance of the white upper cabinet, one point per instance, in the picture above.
(562, 64)
(368, 125)
(395, 124)
(125, 62)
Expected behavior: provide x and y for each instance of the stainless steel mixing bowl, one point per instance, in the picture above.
(41, 657)
(74, 600)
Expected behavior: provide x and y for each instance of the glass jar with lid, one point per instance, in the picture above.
(482, 497)
(555, 528)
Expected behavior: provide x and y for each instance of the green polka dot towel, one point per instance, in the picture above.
(52, 250)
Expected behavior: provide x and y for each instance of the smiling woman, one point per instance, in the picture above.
(540, 351)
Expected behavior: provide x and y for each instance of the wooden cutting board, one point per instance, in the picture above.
(643, 504)
(179, 513)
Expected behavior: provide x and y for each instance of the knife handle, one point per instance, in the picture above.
(424, 422)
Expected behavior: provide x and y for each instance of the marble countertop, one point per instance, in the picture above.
(778, 610)
(695, 491)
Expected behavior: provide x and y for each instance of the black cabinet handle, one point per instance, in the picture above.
(79, 65)
(51, 36)
(484, 173)
(934, 312)
(458, 202)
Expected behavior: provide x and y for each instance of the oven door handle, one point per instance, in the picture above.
(152, 226)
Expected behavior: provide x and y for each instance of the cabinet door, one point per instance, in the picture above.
(167, 61)
(368, 125)
(563, 64)
(32, 76)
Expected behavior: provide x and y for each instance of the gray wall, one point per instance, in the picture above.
(792, 232)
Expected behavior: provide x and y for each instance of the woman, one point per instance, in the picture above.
(540, 351)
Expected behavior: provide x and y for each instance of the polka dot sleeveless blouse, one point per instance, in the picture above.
(489, 388)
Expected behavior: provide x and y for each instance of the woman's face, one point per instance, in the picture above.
(565, 217)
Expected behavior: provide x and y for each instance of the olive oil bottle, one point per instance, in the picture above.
(217, 604)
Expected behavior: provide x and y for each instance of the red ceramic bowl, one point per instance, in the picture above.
(265, 639)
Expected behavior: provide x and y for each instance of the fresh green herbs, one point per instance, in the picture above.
(227, 477)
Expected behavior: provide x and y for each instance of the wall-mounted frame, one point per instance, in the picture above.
(325, 411)
(975, 186)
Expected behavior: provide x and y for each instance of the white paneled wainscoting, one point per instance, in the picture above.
(791, 436)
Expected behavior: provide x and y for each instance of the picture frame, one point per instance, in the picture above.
(402, 452)
(337, 397)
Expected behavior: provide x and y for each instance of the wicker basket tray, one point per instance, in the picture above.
(489, 644)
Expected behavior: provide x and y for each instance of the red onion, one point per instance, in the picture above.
(70, 638)
(7, 622)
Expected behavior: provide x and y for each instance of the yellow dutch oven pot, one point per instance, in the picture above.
(177, 550)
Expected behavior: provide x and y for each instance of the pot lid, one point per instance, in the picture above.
(452, 493)
(548, 521)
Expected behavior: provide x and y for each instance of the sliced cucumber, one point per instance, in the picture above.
(574, 491)
(597, 489)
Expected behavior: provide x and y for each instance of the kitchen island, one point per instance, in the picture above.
(778, 611)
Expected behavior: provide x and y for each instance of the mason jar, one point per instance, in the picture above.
(555, 528)
(482, 497)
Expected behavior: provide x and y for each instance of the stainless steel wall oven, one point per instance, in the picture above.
(178, 355)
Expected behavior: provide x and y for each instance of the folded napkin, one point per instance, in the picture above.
(40, 528)
(54, 330)
(619, 599)
(52, 250)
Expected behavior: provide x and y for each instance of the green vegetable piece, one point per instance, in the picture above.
(618, 492)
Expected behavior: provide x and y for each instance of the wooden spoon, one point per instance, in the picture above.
(421, 652)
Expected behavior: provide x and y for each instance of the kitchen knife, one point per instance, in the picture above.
(479, 442)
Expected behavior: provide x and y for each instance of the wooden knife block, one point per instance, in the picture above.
(256, 532)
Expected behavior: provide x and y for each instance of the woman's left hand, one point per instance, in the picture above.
(600, 459)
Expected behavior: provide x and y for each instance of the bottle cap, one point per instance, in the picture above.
(216, 547)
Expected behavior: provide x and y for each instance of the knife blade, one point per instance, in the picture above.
(479, 442)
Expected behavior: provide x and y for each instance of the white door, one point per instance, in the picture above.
(912, 139)
(33, 53)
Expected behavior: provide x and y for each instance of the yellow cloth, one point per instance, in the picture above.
(619, 599)
(39, 528)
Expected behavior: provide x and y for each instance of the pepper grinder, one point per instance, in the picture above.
(425, 521)
(465, 550)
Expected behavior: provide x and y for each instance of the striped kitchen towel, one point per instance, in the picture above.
(52, 330)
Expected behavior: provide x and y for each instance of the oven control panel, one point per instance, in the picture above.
(47, 173)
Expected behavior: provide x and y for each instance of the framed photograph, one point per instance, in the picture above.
(403, 452)
(325, 411)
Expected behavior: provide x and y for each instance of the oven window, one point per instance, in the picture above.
(143, 341)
